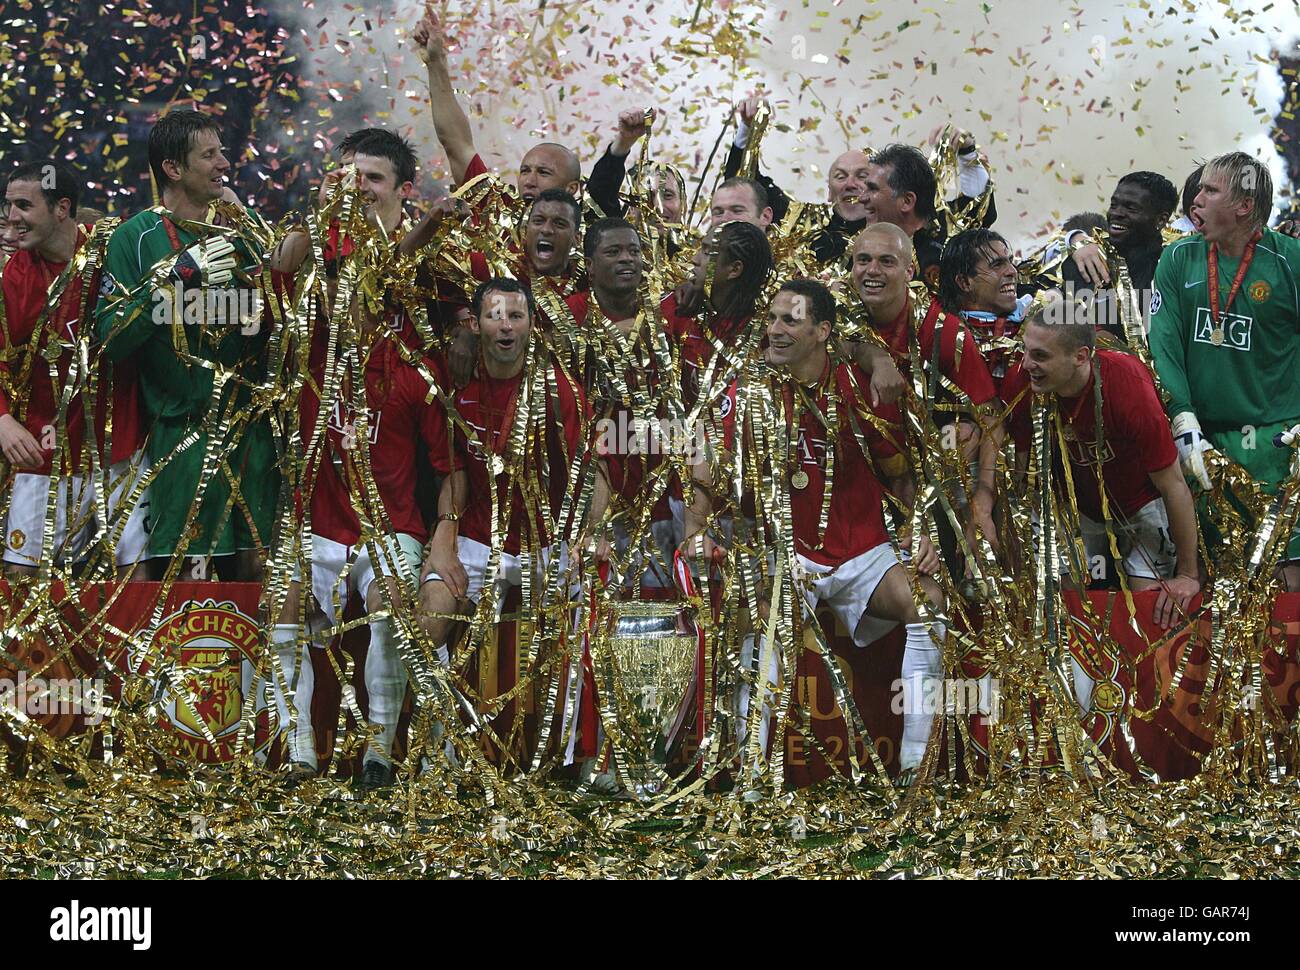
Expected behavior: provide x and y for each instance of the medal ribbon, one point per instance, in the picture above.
(1213, 276)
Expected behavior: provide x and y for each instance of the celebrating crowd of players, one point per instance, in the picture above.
(413, 407)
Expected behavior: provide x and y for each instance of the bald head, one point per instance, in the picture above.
(881, 269)
(549, 166)
(885, 233)
(846, 182)
(850, 160)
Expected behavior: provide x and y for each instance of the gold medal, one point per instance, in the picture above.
(1216, 336)
(799, 480)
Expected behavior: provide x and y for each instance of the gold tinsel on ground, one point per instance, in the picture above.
(220, 825)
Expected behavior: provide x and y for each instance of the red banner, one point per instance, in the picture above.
(210, 632)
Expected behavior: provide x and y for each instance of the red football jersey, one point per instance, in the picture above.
(488, 406)
(856, 522)
(689, 332)
(1135, 439)
(992, 337)
(26, 283)
(960, 360)
(395, 400)
(631, 455)
(478, 262)
(578, 304)
(393, 315)
(560, 287)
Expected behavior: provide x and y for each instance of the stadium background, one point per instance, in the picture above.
(1063, 99)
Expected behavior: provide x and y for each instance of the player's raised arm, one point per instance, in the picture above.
(449, 118)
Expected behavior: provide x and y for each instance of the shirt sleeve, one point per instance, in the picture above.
(964, 201)
(1017, 419)
(727, 407)
(605, 182)
(10, 307)
(444, 444)
(884, 442)
(1169, 330)
(972, 178)
(123, 319)
(407, 396)
(577, 304)
(881, 427)
(474, 169)
(675, 325)
(1147, 424)
(962, 362)
(615, 462)
(575, 412)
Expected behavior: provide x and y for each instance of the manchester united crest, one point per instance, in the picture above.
(215, 648)
(1259, 291)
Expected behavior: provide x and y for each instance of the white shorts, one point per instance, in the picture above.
(24, 531)
(474, 557)
(847, 589)
(1147, 549)
(330, 558)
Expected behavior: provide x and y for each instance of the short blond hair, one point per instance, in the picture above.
(1245, 178)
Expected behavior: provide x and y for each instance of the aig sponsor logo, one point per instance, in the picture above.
(1088, 452)
(343, 422)
(1234, 333)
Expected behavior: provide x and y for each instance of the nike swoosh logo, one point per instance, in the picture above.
(1188, 286)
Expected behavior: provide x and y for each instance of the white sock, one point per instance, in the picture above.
(1083, 685)
(304, 732)
(922, 666)
(438, 730)
(571, 725)
(748, 661)
(386, 685)
(300, 738)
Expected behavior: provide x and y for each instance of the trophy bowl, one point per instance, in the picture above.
(647, 659)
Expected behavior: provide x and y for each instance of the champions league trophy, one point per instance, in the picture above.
(644, 655)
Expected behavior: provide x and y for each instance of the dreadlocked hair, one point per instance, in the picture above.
(747, 244)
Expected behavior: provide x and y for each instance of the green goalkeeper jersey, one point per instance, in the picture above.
(133, 319)
(171, 331)
(1246, 372)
